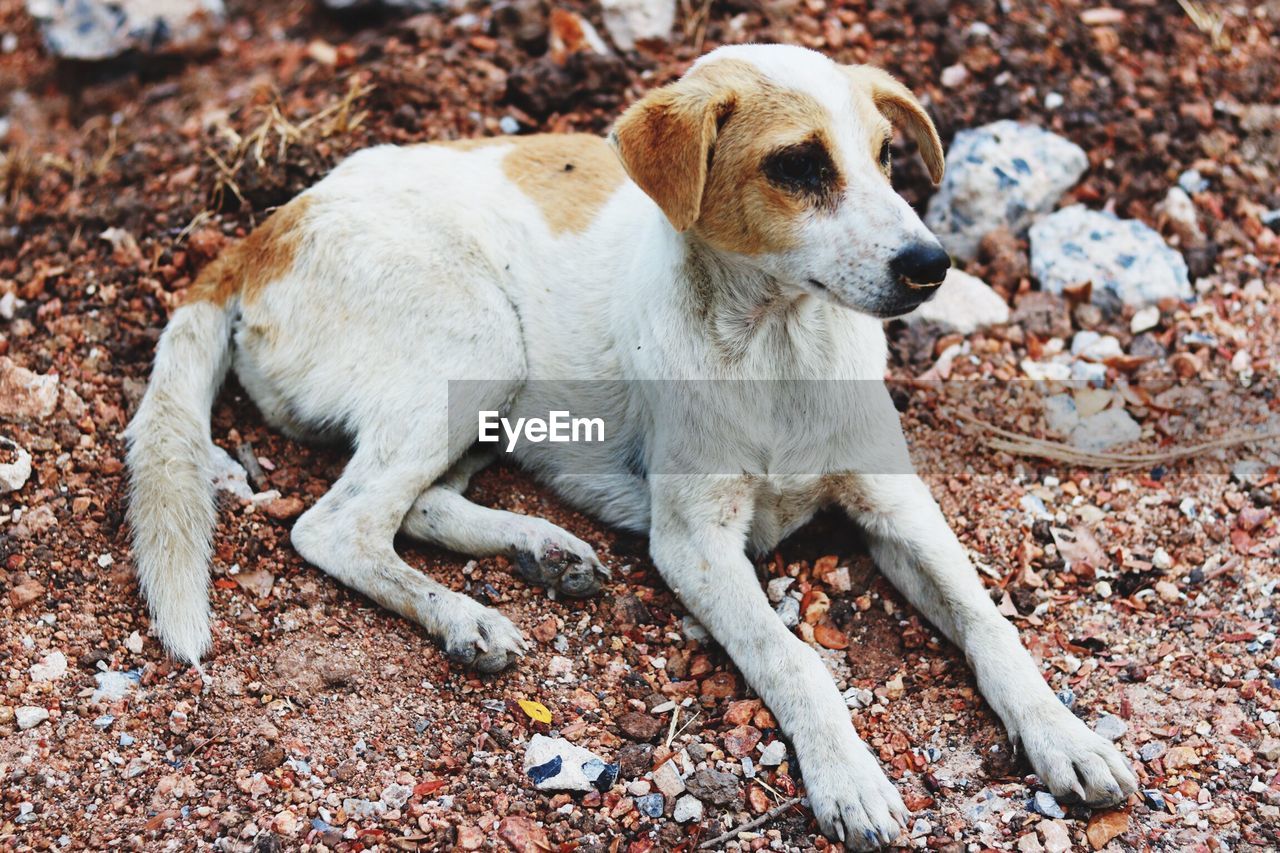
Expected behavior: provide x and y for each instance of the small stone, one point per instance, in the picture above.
(1179, 757)
(963, 304)
(26, 396)
(1030, 843)
(1167, 591)
(523, 835)
(1145, 319)
(470, 838)
(50, 668)
(788, 611)
(1095, 347)
(954, 75)
(632, 21)
(30, 716)
(1104, 430)
(395, 795)
(638, 726)
(688, 809)
(635, 759)
(1151, 751)
(667, 780)
(1056, 837)
(283, 508)
(1154, 800)
(134, 643)
(740, 740)
(1043, 803)
(651, 805)
(777, 588)
(773, 754)
(1179, 212)
(555, 764)
(258, 582)
(1110, 727)
(1106, 825)
(15, 472)
(714, 786)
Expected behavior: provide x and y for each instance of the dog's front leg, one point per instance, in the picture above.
(698, 541)
(917, 551)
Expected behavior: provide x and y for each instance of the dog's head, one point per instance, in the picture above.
(780, 156)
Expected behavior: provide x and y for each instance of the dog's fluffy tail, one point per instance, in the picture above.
(171, 504)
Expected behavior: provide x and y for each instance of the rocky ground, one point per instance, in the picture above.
(1145, 586)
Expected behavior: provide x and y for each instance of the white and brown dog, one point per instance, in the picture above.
(738, 224)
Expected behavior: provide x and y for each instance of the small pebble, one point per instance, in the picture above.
(1043, 803)
(688, 809)
(1110, 727)
(651, 805)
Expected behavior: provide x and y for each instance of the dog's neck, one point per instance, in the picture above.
(739, 306)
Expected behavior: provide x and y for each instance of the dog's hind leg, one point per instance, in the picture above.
(544, 554)
(915, 548)
(349, 534)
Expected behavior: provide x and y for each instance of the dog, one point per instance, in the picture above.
(736, 238)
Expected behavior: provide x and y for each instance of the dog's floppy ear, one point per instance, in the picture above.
(899, 106)
(664, 141)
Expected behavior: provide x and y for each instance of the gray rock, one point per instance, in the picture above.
(630, 21)
(777, 588)
(688, 809)
(93, 30)
(1044, 803)
(1002, 174)
(1126, 261)
(1248, 472)
(788, 611)
(1151, 751)
(964, 303)
(1110, 727)
(773, 754)
(651, 805)
(717, 788)
(1108, 428)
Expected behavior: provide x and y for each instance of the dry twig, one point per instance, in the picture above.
(1025, 445)
(747, 827)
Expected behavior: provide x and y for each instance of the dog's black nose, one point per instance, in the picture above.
(922, 264)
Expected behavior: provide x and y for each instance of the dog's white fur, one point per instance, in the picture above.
(417, 265)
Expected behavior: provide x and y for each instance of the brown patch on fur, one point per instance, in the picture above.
(473, 144)
(696, 148)
(256, 261)
(896, 103)
(569, 176)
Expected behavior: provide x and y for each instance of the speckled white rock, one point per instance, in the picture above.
(688, 809)
(30, 716)
(1004, 174)
(630, 21)
(1126, 261)
(964, 303)
(14, 475)
(93, 30)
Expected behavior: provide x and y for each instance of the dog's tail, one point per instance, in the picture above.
(171, 503)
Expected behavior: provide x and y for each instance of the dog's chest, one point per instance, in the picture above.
(782, 506)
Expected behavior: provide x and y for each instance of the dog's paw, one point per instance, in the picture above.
(482, 638)
(1077, 764)
(559, 559)
(855, 803)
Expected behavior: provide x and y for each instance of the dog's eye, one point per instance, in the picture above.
(885, 154)
(804, 167)
(797, 167)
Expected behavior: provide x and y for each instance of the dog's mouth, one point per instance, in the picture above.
(881, 311)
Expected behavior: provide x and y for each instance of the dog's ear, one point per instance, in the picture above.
(664, 141)
(898, 105)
